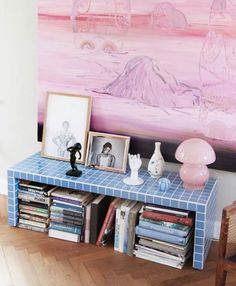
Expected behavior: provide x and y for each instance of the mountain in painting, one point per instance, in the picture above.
(143, 80)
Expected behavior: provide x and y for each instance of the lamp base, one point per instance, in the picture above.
(189, 187)
(194, 176)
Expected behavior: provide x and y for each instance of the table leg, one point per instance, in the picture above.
(13, 185)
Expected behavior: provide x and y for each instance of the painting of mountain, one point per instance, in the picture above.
(156, 70)
(156, 88)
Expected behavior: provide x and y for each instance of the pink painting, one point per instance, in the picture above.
(157, 70)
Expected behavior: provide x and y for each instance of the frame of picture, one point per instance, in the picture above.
(107, 151)
(67, 121)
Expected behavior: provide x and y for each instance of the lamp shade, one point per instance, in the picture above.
(195, 151)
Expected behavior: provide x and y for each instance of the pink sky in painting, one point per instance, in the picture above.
(168, 72)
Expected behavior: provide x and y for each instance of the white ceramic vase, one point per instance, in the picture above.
(156, 164)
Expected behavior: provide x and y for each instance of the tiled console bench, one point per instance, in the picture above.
(38, 169)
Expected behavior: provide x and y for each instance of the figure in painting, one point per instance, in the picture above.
(63, 139)
(165, 15)
(218, 73)
(105, 158)
(218, 56)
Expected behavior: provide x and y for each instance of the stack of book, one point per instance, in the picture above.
(164, 235)
(67, 214)
(34, 201)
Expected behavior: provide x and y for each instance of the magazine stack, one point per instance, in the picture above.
(34, 201)
(164, 235)
(67, 214)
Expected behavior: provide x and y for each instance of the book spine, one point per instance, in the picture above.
(160, 236)
(122, 228)
(82, 236)
(117, 230)
(34, 223)
(34, 213)
(111, 221)
(126, 226)
(156, 259)
(61, 211)
(166, 210)
(109, 214)
(34, 198)
(131, 233)
(33, 217)
(31, 227)
(54, 233)
(78, 209)
(30, 186)
(66, 228)
(87, 223)
(35, 209)
(33, 191)
(66, 221)
(33, 204)
(65, 200)
(169, 218)
(93, 224)
(70, 216)
(153, 226)
(166, 248)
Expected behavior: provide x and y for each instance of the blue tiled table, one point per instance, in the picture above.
(52, 172)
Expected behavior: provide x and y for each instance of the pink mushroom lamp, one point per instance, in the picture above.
(195, 154)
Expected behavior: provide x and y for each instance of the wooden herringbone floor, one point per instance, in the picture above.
(29, 258)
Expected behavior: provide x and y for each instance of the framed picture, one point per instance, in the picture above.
(173, 83)
(107, 151)
(67, 121)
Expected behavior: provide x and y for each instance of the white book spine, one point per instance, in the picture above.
(122, 227)
(34, 223)
(63, 235)
(126, 226)
(156, 259)
(117, 230)
(87, 224)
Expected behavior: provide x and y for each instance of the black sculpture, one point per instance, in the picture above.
(73, 150)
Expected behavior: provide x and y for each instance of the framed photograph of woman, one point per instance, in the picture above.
(107, 151)
(67, 121)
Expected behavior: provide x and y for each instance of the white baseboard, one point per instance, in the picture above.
(216, 233)
(3, 187)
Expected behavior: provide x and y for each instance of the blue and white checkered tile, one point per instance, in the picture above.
(52, 172)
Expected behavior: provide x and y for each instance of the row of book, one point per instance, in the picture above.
(155, 233)
(63, 213)
(151, 232)
(67, 214)
(34, 201)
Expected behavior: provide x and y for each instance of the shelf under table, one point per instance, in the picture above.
(48, 171)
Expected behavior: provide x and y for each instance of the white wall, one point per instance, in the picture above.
(18, 95)
(18, 88)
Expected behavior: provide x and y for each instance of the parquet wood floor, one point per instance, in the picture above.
(29, 258)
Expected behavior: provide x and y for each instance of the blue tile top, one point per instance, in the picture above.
(52, 172)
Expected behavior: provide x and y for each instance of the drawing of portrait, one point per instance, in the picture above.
(67, 121)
